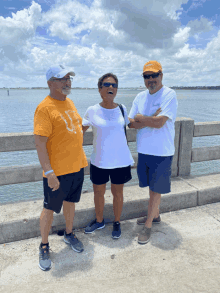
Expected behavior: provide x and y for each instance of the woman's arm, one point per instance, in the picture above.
(84, 128)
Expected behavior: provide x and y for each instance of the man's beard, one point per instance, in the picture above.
(66, 91)
(152, 86)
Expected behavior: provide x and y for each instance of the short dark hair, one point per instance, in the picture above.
(100, 81)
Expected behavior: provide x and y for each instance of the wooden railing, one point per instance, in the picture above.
(185, 130)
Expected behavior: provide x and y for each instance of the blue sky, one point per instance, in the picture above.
(9, 6)
(98, 36)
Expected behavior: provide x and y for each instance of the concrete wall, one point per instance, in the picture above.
(185, 130)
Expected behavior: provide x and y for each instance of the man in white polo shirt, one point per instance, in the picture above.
(155, 140)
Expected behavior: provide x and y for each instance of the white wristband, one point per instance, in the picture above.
(48, 172)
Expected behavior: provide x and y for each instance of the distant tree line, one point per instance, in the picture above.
(196, 87)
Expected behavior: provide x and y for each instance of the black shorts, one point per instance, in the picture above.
(70, 190)
(100, 176)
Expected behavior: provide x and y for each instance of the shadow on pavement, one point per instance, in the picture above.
(100, 244)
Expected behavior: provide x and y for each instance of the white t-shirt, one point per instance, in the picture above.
(110, 149)
(156, 141)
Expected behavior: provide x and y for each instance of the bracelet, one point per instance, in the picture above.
(48, 172)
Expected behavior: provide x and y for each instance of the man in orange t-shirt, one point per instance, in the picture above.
(59, 140)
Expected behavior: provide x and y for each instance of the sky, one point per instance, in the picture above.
(94, 37)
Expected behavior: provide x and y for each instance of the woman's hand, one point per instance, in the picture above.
(84, 128)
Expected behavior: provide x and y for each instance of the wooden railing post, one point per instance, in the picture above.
(185, 146)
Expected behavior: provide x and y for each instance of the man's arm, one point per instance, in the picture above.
(137, 124)
(134, 124)
(154, 122)
(41, 146)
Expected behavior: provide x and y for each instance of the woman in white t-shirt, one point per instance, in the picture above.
(111, 156)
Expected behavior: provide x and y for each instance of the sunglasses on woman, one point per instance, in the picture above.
(148, 76)
(107, 84)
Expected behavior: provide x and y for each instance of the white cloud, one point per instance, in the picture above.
(110, 36)
(199, 26)
(151, 23)
(16, 30)
(181, 37)
(126, 25)
(20, 27)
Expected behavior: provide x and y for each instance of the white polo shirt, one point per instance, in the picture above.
(156, 141)
(110, 148)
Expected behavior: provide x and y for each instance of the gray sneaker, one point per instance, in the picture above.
(142, 221)
(144, 235)
(44, 258)
(75, 243)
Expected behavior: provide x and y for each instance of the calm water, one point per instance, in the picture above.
(16, 115)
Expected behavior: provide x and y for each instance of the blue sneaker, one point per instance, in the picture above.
(94, 226)
(116, 233)
(75, 244)
(44, 258)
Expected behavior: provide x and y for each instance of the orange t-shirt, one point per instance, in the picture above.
(62, 124)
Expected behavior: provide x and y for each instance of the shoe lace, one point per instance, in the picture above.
(74, 238)
(45, 252)
(116, 226)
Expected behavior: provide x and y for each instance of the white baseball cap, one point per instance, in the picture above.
(58, 71)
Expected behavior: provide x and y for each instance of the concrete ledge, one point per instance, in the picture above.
(21, 220)
(208, 187)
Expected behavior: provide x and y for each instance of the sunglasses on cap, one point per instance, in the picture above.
(107, 84)
(154, 75)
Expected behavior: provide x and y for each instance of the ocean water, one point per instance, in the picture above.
(17, 112)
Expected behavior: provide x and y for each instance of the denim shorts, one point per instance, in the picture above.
(70, 190)
(155, 172)
(101, 176)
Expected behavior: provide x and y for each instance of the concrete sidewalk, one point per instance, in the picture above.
(21, 220)
(182, 256)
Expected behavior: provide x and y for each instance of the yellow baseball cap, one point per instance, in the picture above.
(152, 66)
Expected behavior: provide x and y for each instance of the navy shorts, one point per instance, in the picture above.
(100, 176)
(70, 190)
(155, 172)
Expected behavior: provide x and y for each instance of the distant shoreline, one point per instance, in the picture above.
(122, 88)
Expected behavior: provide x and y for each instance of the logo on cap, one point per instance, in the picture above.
(148, 65)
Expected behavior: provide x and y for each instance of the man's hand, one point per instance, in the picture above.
(157, 112)
(134, 124)
(138, 118)
(53, 181)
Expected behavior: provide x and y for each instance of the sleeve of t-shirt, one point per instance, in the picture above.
(42, 122)
(134, 108)
(126, 115)
(169, 107)
(86, 119)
